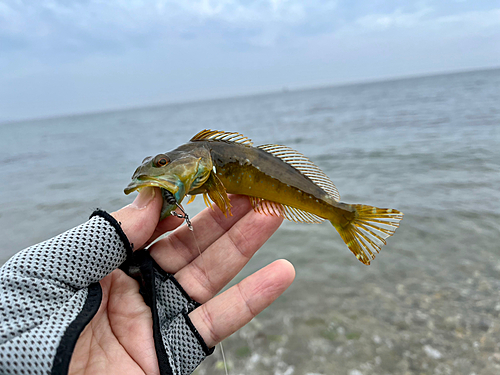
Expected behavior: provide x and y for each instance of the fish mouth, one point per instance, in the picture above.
(142, 182)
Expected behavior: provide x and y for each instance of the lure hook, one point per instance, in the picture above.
(184, 216)
(169, 197)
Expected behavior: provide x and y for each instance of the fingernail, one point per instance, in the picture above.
(145, 196)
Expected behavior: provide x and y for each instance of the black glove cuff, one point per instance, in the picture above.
(169, 302)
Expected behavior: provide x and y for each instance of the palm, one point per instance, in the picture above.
(119, 339)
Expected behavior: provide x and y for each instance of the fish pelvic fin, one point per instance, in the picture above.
(216, 191)
(266, 207)
(365, 234)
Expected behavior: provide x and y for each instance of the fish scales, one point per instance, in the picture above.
(254, 172)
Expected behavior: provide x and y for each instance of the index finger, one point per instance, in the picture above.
(181, 247)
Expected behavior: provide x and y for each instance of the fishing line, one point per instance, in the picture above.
(185, 216)
(199, 252)
(223, 357)
(208, 278)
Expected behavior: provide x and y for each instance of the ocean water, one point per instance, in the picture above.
(429, 146)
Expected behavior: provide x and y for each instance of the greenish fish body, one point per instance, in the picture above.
(278, 180)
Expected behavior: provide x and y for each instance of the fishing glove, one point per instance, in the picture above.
(49, 292)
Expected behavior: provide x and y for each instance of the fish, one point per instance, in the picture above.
(278, 180)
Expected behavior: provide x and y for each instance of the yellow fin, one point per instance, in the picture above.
(217, 192)
(191, 199)
(290, 213)
(207, 201)
(217, 135)
(366, 233)
(306, 167)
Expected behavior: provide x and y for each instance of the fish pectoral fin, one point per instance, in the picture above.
(287, 212)
(217, 192)
(206, 199)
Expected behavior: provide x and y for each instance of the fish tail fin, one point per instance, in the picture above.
(366, 232)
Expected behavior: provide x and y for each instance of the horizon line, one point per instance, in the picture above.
(284, 89)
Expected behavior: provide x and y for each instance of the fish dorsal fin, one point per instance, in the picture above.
(216, 135)
(290, 213)
(304, 166)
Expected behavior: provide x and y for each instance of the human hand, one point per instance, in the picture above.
(119, 339)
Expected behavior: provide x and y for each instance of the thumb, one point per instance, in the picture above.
(140, 218)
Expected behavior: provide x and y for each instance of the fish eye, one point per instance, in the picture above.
(161, 160)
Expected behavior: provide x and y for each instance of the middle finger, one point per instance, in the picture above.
(180, 247)
(220, 263)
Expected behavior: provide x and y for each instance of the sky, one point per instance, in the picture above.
(63, 57)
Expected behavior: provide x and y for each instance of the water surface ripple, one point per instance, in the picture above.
(428, 146)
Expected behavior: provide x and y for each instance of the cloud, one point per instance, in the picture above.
(428, 19)
(473, 22)
(129, 16)
(56, 24)
(395, 19)
(61, 30)
(92, 54)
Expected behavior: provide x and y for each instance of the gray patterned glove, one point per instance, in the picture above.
(49, 292)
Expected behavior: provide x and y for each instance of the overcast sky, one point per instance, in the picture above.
(63, 57)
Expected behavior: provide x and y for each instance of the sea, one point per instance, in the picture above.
(428, 146)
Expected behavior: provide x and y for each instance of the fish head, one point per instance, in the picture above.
(177, 172)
